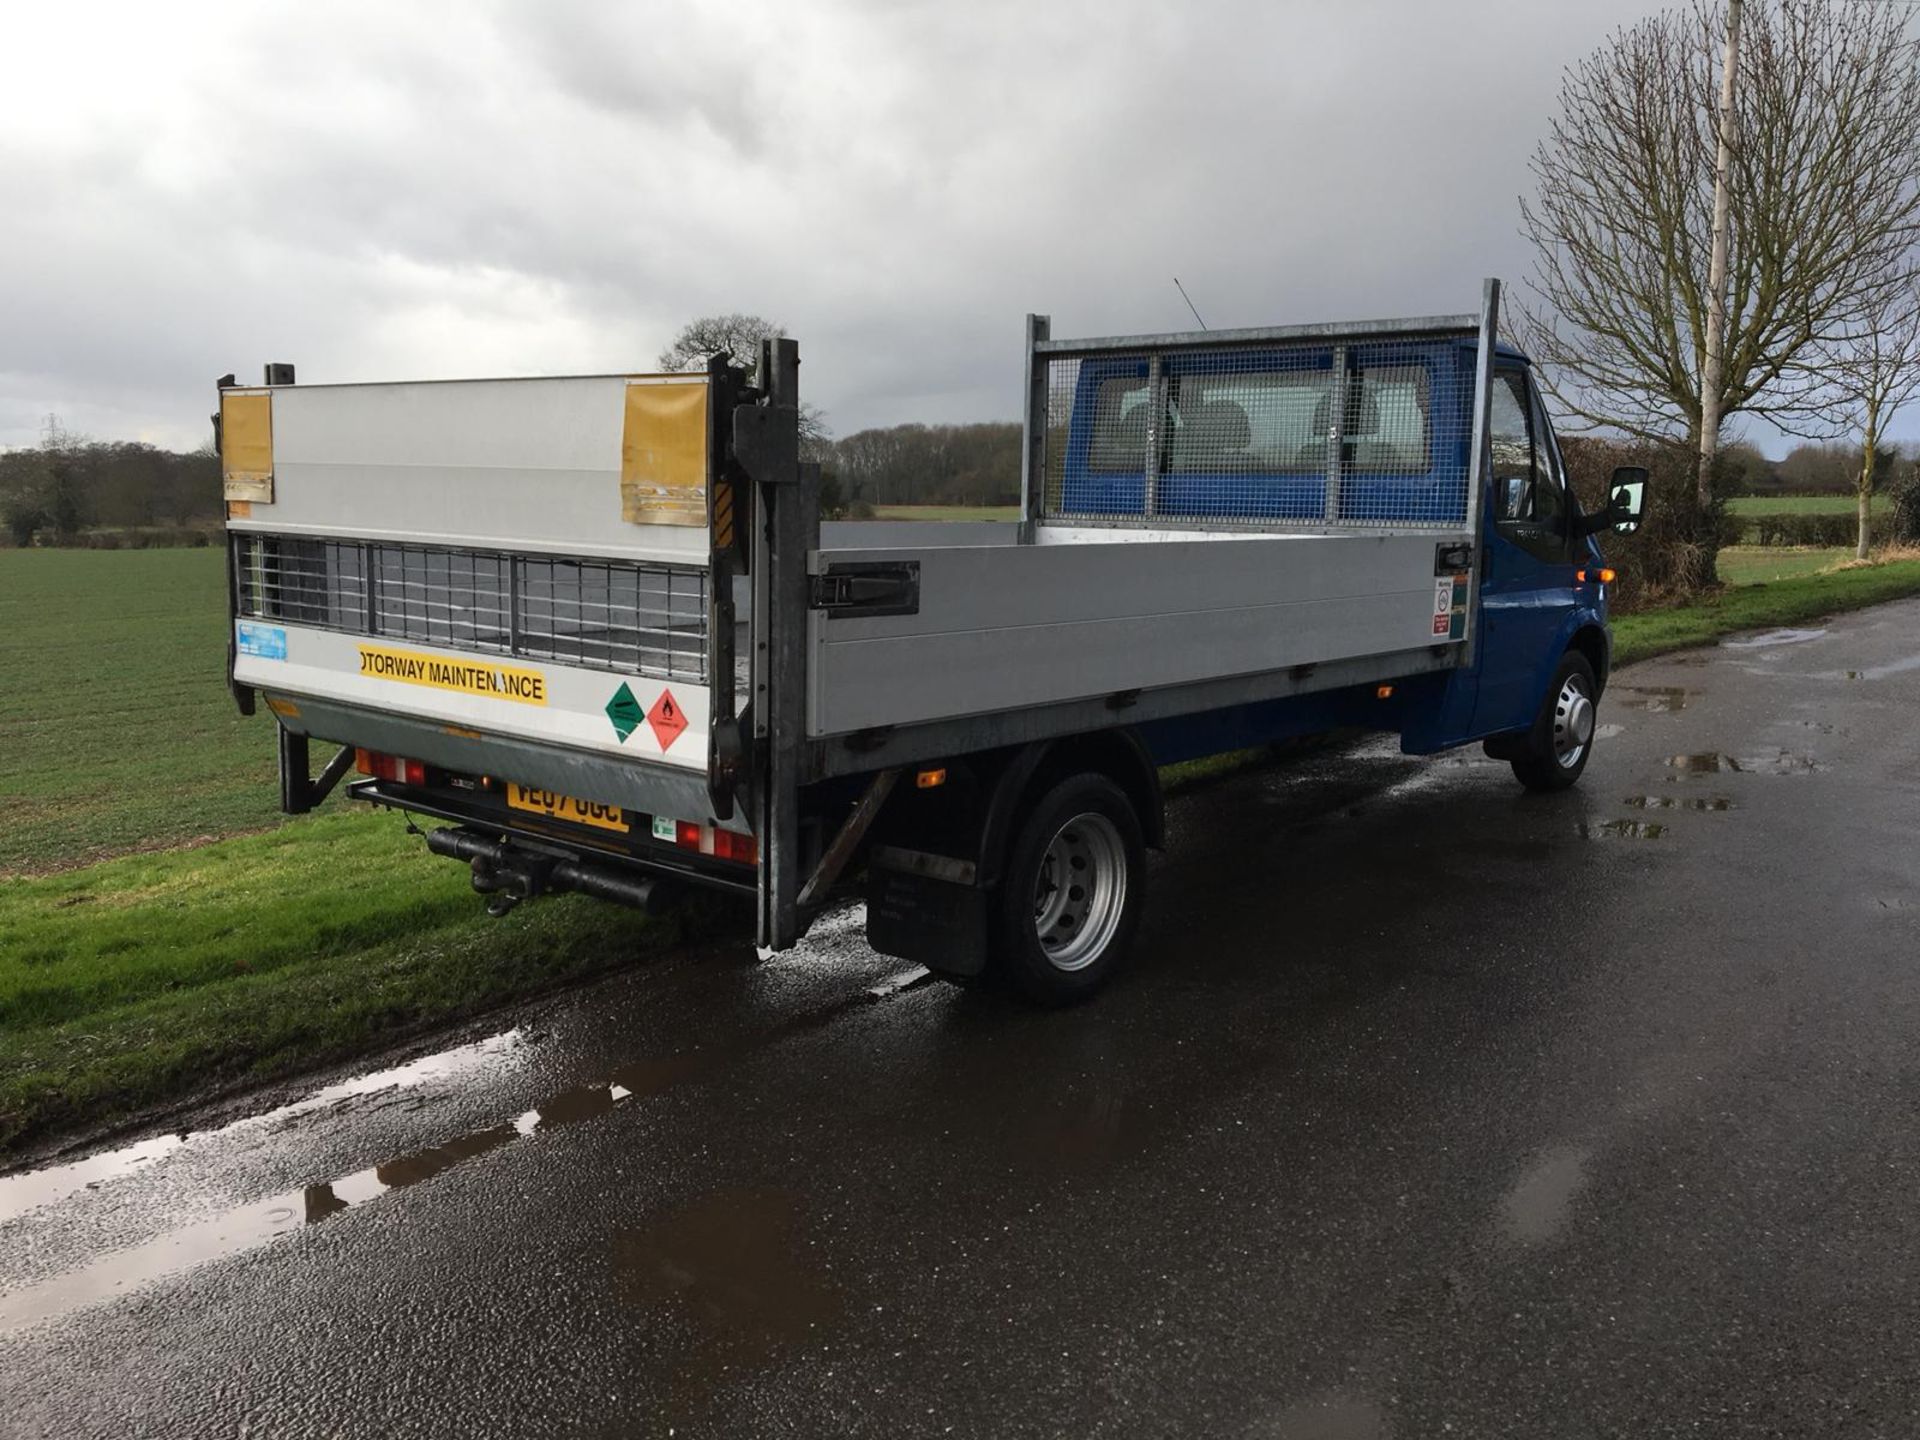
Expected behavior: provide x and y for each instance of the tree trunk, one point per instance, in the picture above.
(1713, 363)
(1870, 444)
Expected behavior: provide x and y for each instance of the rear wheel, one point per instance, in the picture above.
(1561, 741)
(1070, 899)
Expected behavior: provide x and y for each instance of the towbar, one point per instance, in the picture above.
(500, 869)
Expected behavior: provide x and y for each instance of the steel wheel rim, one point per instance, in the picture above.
(1080, 892)
(1572, 722)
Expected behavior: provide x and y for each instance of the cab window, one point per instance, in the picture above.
(1529, 496)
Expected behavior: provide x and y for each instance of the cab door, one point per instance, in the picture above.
(1528, 586)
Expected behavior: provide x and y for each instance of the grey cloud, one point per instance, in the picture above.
(389, 191)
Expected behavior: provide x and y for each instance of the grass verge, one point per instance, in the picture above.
(1757, 606)
(152, 977)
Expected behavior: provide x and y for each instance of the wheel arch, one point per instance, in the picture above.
(1592, 641)
(1119, 754)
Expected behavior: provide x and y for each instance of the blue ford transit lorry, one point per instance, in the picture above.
(594, 629)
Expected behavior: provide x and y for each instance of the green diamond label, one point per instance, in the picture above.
(625, 712)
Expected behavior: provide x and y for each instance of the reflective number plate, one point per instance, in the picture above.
(565, 807)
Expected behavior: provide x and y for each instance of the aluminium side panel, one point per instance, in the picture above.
(1002, 628)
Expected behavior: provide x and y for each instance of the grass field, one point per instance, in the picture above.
(1748, 506)
(946, 512)
(1762, 564)
(115, 727)
(131, 981)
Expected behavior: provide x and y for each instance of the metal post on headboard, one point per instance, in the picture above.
(1479, 455)
(1336, 433)
(1159, 424)
(1033, 465)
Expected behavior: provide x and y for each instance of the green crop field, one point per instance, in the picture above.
(1762, 564)
(1749, 506)
(946, 512)
(115, 727)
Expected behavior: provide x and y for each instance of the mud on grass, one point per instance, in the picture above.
(145, 979)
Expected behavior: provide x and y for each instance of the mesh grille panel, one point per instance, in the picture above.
(589, 612)
(600, 614)
(1367, 435)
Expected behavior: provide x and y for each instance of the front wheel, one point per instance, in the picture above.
(1561, 741)
(1070, 899)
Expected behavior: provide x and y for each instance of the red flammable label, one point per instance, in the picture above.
(666, 719)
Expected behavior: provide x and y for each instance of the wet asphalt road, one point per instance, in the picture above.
(1430, 1107)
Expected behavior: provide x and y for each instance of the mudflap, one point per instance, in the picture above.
(940, 924)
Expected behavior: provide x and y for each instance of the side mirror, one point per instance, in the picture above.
(1627, 498)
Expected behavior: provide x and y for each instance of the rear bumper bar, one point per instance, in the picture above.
(559, 843)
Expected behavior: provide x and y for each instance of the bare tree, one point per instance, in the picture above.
(1871, 374)
(739, 336)
(1823, 187)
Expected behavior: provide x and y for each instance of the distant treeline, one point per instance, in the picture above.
(1811, 468)
(65, 489)
(921, 465)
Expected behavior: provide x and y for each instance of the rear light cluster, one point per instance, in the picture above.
(707, 840)
(389, 767)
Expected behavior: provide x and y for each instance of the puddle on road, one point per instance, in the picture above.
(33, 1189)
(1623, 830)
(732, 1264)
(1678, 802)
(1540, 1203)
(1873, 672)
(1709, 763)
(249, 1226)
(1768, 638)
(1780, 762)
(1655, 699)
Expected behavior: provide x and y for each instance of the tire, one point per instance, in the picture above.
(1561, 741)
(1056, 942)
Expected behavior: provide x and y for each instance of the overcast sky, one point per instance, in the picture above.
(409, 190)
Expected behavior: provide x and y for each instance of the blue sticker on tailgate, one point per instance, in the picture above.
(264, 642)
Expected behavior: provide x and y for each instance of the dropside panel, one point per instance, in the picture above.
(1009, 627)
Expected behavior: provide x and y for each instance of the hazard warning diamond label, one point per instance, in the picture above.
(667, 719)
